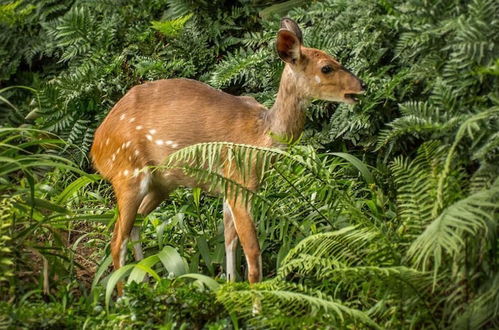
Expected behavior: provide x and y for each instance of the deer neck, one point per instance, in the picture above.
(286, 118)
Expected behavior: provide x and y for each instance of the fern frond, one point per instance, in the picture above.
(473, 216)
(415, 126)
(171, 28)
(468, 128)
(417, 182)
(349, 245)
(484, 177)
(284, 304)
(236, 68)
(489, 151)
(247, 160)
(483, 310)
(310, 267)
(74, 32)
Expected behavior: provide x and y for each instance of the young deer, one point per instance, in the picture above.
(157, 118)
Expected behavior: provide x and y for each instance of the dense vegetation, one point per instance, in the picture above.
(384, 214)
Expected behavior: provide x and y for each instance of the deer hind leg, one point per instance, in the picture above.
(230, 242)
(245, 229)
(148, 204)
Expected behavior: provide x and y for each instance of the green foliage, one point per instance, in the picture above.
(39, 315)
(388, 218)
(171, 28)
(185, 305)
(169, 257)
(293, 306)
(371, 268)
(9, 15)
(473, 215)
(436, 217)
(86, 54)
(171, 304)
(34, 209)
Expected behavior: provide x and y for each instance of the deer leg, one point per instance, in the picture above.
(127, 208)
(230, 242)
(137, 246)
(245, 228)
(128, 204)
(148, 204)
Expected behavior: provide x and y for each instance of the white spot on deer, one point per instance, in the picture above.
(122, 116)
(175, 145)
(136, 152)
(169, 142)
(152, 131)
(113, 157)
(130, 158)
(125, 172)
(138, 127)
(318, 79)
(136, 172)
(107, 141)
(128, 143)
(149, 137)
(132, 119)
(159, 142)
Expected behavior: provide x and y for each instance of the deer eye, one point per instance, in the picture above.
(327, 69)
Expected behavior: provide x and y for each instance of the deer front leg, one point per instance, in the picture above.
(245, 229)
(148, 204)
(128, 203)
(127, 209)
(230, 242)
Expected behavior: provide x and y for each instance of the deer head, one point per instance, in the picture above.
(316, 73)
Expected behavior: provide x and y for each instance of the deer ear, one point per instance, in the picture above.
(288, 46)
(289, 24)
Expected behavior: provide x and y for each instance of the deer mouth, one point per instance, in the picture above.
(352, 98)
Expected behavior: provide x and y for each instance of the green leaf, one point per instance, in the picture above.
(142, 268)
(205, 252)
(100, 270)
(172, 261)
(74, 186)
(172, 27)
(205, 280)
(46, 205)
(363, 169)
(114, 279)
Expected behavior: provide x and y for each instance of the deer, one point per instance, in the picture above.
(157, 118)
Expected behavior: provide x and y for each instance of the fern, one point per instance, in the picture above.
(289, 305)
(10, 15)
(242, 67)
(417, 181)
(171, 28)
(483, 309)
(474, 215)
